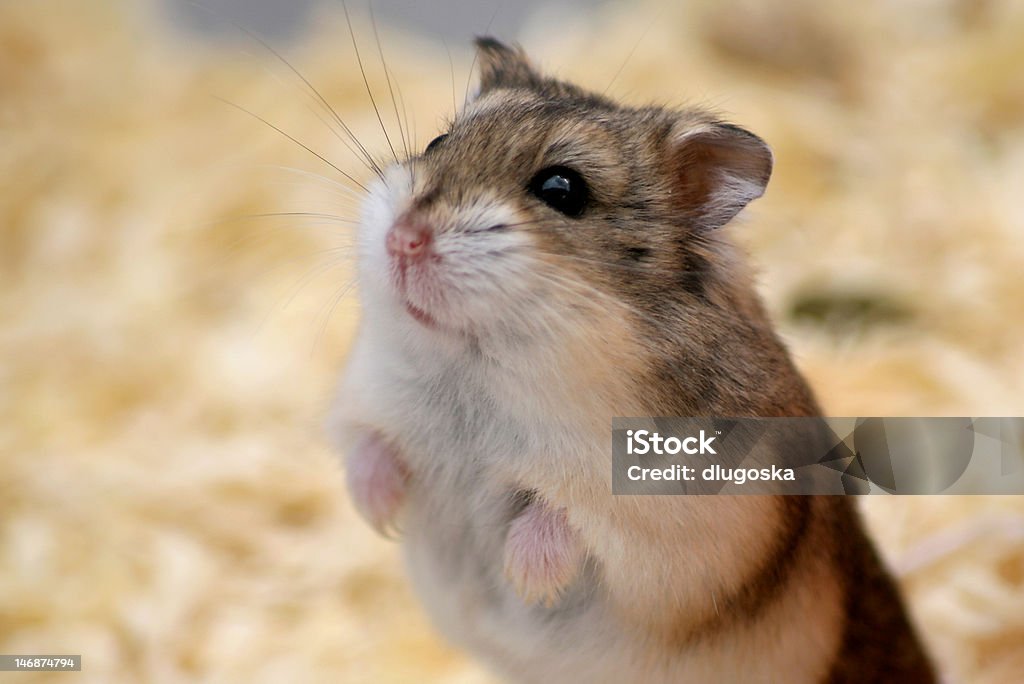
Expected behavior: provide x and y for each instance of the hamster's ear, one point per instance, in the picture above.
(502, 66)
(718, 169)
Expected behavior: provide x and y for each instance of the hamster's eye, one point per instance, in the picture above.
(435, 142)
(562, 189)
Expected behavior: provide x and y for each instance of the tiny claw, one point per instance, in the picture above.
(377, 481)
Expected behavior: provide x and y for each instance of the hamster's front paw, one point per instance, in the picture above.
(543, 554)
(376, 481)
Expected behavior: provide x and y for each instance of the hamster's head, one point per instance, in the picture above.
(544, 209)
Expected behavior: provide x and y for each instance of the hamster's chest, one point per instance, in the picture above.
(471, 452)
(461, 442)
(453, 422)
(459, 421)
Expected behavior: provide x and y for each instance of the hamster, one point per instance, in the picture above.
(553, 260)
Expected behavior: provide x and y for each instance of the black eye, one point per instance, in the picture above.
(435, 142)
(562, 189)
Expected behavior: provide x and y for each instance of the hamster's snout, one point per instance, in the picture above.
(409, 243)
(450, 264)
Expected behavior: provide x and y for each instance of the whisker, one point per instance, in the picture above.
(598, 262)
(357, 153)
(410, 133)
(359, 61)
(367, 157)
(451, 66)
(368, 162)
(387, 77)
(699, 244)
(305, 280)
(342, 292)
(505, 226)
(476, 54)
(629, 56)
(338, 256)
(363, 152)
(255, 239)
(294, 140)
(285, 300)
(267, 233)
(414, 136)
(405, 114)
(342, 200)
(311, 214)
(578, 287)
(348, 192)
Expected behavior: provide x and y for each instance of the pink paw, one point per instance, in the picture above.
(542, 553)
(376, 481)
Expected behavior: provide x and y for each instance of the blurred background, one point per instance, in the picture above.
(171, 327)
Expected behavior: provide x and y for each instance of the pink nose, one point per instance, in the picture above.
(408, 238)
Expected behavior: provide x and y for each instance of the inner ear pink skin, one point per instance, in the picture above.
(376, 481)
(543, 554)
